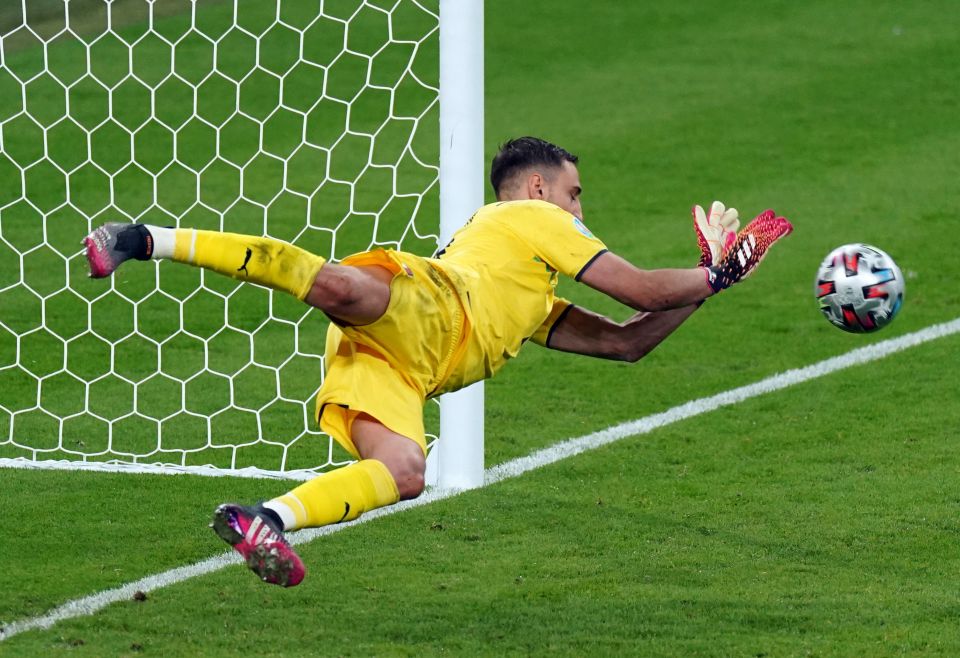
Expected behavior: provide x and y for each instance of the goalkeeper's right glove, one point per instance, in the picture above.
(751, 246)
(716, 232)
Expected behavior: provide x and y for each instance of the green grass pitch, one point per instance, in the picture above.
(821, 520)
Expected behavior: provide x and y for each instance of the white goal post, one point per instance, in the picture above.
(459, 455)
(338, 125)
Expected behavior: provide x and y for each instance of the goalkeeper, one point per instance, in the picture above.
(406, 328)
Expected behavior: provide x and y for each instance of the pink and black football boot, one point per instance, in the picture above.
(255, 536)
(108, 246)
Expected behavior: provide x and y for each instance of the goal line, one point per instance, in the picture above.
(90, 605)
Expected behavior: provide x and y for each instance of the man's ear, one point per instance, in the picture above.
(535, 186)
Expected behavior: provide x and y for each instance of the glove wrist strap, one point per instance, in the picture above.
(716, 278)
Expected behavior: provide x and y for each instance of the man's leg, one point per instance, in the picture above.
(403, 457)
(391, 468)
(353, 295)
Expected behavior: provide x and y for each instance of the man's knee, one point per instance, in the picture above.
(334, 289)
(402, 456)
(409, 473)
(356, 295)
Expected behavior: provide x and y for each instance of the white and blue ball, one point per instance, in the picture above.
(859, 288)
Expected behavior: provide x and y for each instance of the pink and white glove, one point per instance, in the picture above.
(716, 232)
(748, 250)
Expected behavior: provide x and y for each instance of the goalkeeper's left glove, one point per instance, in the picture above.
(716, 232)
(748, 250)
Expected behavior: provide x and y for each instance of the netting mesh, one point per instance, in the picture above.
(312, 122)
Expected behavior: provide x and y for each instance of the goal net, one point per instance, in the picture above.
(311, 122)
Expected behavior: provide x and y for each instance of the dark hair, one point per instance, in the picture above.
(518, 154)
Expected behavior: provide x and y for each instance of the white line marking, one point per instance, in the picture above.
(154, 469)
(703, 405)
(91, 604)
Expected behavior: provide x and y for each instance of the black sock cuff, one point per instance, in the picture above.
(137, 241)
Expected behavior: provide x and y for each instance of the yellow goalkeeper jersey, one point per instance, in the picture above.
(455, 319)
(506, 262)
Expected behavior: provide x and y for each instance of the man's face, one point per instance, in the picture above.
(563, 189)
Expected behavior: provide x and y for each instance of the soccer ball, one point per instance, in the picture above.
(859, 287)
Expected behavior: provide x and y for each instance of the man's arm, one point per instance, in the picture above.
(584, 332)
(661, 290)
(647, 290)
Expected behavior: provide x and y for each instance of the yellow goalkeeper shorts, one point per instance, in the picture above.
(388, 368)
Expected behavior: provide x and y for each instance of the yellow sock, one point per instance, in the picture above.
(264, 261)
(341, 495)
